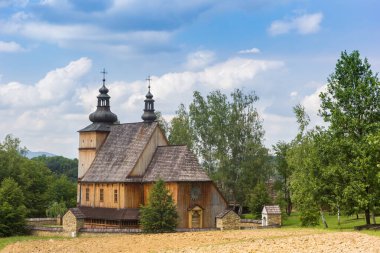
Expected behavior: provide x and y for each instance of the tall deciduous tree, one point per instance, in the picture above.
(284, 172)
(226, 133)
(351, 105)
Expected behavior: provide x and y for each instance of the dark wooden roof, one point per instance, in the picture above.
(97, 126)
(84, 212)
(120, 152)
(173, 164)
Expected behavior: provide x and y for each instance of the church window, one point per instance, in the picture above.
(115, 197)
(101, 195)
(87, 194)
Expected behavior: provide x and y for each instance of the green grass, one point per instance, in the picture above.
(347, 223)
(4, 241)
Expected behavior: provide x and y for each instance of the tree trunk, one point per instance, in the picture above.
(240, 210)
(338, 215)
(324, 220)
(367, 216)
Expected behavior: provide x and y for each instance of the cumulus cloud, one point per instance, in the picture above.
(199, 59)
(312, 105)
(47, 114)
(10, 47)
(56, 86)
(303, 24)
(250, 51)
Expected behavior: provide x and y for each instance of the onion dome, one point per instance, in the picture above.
(149, 115)
(103, 113)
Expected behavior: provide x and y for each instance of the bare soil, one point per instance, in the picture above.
(268, 240)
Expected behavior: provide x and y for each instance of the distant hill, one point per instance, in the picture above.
(31, 154)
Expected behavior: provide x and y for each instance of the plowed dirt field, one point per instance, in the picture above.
(268, 240)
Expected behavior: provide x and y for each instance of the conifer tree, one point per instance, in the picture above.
(160, 214)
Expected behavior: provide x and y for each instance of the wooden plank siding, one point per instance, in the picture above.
(89, 144)
(157, 139)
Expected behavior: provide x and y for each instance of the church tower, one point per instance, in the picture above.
(149, 115)
(92, 137)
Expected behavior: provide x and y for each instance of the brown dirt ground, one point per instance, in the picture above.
(268, 240)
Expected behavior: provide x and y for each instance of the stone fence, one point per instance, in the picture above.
(43, 221)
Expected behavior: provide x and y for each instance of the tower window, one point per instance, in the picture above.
(87, 194)
(101, 195)
(115, 197)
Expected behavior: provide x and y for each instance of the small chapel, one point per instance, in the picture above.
(119, 163)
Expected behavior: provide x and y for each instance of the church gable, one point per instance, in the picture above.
(174, 164)
(120, 152)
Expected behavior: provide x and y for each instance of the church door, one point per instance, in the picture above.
(196, 217)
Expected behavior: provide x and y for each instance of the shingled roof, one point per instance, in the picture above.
(173, 164)
(120, 152)
(275, 209)
(83, 212)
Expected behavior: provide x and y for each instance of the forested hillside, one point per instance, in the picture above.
(28, 187)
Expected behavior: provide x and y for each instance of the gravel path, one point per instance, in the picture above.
(268, 240)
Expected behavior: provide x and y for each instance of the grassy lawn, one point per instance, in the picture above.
(347, 223)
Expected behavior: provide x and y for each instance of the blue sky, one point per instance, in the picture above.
(52, 52)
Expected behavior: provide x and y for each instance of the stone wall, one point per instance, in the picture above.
(274, 219)
(70, 223)
(229, 221)
(41, 221)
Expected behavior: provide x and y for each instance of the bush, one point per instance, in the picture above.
(160, 214)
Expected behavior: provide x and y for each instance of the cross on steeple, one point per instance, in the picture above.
(149, 79)
(104, 75)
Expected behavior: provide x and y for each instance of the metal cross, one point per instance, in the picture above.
(104, 75)
(148, 79)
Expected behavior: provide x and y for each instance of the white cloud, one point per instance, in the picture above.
(199, 59)
(250, 51)
(293, 94)
(46, 115)
(88, 35)
(56, 86)
(312, 105)
(10, 47)
(304, 24)
(16, 3)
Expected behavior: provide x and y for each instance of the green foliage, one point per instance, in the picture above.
(180, 131)
(12, 209)
(160, 214)
(60, 165)
(56, 209)
(351, 105)
(258, 198)
(283, 173)
(40, 187)
(63, 190)
(226, 133)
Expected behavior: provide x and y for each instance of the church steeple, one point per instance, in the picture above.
(149, 115)
(103, 113)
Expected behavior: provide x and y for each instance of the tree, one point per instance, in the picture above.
(351, 105)
(12, 209)
(284, 172)
(60, 165)
(180, 131)
(56, 209)
(258, 198)
(61, 189)
(226, 133)
(160, 214)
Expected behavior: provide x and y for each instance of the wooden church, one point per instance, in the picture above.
(118, 164)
